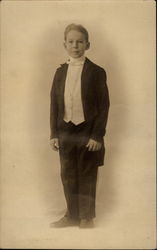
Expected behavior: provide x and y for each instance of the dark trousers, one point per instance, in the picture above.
(78, 170)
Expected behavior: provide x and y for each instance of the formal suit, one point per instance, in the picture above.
(78, 165)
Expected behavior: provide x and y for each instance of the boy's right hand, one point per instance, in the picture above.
(54, 144)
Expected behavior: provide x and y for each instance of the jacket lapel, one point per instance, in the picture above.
(85, 78)
(62, 83)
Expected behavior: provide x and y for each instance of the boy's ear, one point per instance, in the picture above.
(64, 44)
(88, 45)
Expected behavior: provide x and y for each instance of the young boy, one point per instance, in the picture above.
(79, 112)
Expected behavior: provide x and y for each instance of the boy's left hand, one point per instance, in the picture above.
(93, 145)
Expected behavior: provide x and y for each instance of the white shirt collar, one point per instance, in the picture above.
(76, 61)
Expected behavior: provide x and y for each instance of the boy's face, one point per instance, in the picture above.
(76, 44)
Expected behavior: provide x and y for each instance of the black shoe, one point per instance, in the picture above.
(86, 223)
(65, 222)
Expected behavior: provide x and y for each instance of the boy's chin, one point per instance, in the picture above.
(75, 56)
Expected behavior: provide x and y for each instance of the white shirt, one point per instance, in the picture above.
(73, 109)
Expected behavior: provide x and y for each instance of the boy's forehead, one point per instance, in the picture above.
(75, 34)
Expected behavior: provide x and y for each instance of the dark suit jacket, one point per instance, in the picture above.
(95, 98)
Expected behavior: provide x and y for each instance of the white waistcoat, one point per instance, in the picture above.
(73, 109)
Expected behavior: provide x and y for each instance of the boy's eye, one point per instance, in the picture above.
(80, 41)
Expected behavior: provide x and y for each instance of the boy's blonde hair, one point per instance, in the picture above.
(77, 27)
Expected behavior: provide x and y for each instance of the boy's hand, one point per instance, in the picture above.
(93, 145)
(54, 144)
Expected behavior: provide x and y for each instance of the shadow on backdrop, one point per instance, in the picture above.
(108, 198)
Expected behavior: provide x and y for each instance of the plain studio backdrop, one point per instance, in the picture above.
(122, 36)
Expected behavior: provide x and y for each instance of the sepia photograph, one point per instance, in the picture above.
(77, 118)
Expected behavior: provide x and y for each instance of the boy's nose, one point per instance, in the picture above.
(75, 45)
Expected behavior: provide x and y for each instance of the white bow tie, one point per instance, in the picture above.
(76, 62)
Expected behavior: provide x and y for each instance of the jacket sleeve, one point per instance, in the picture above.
(53, 109)
(103, 103)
